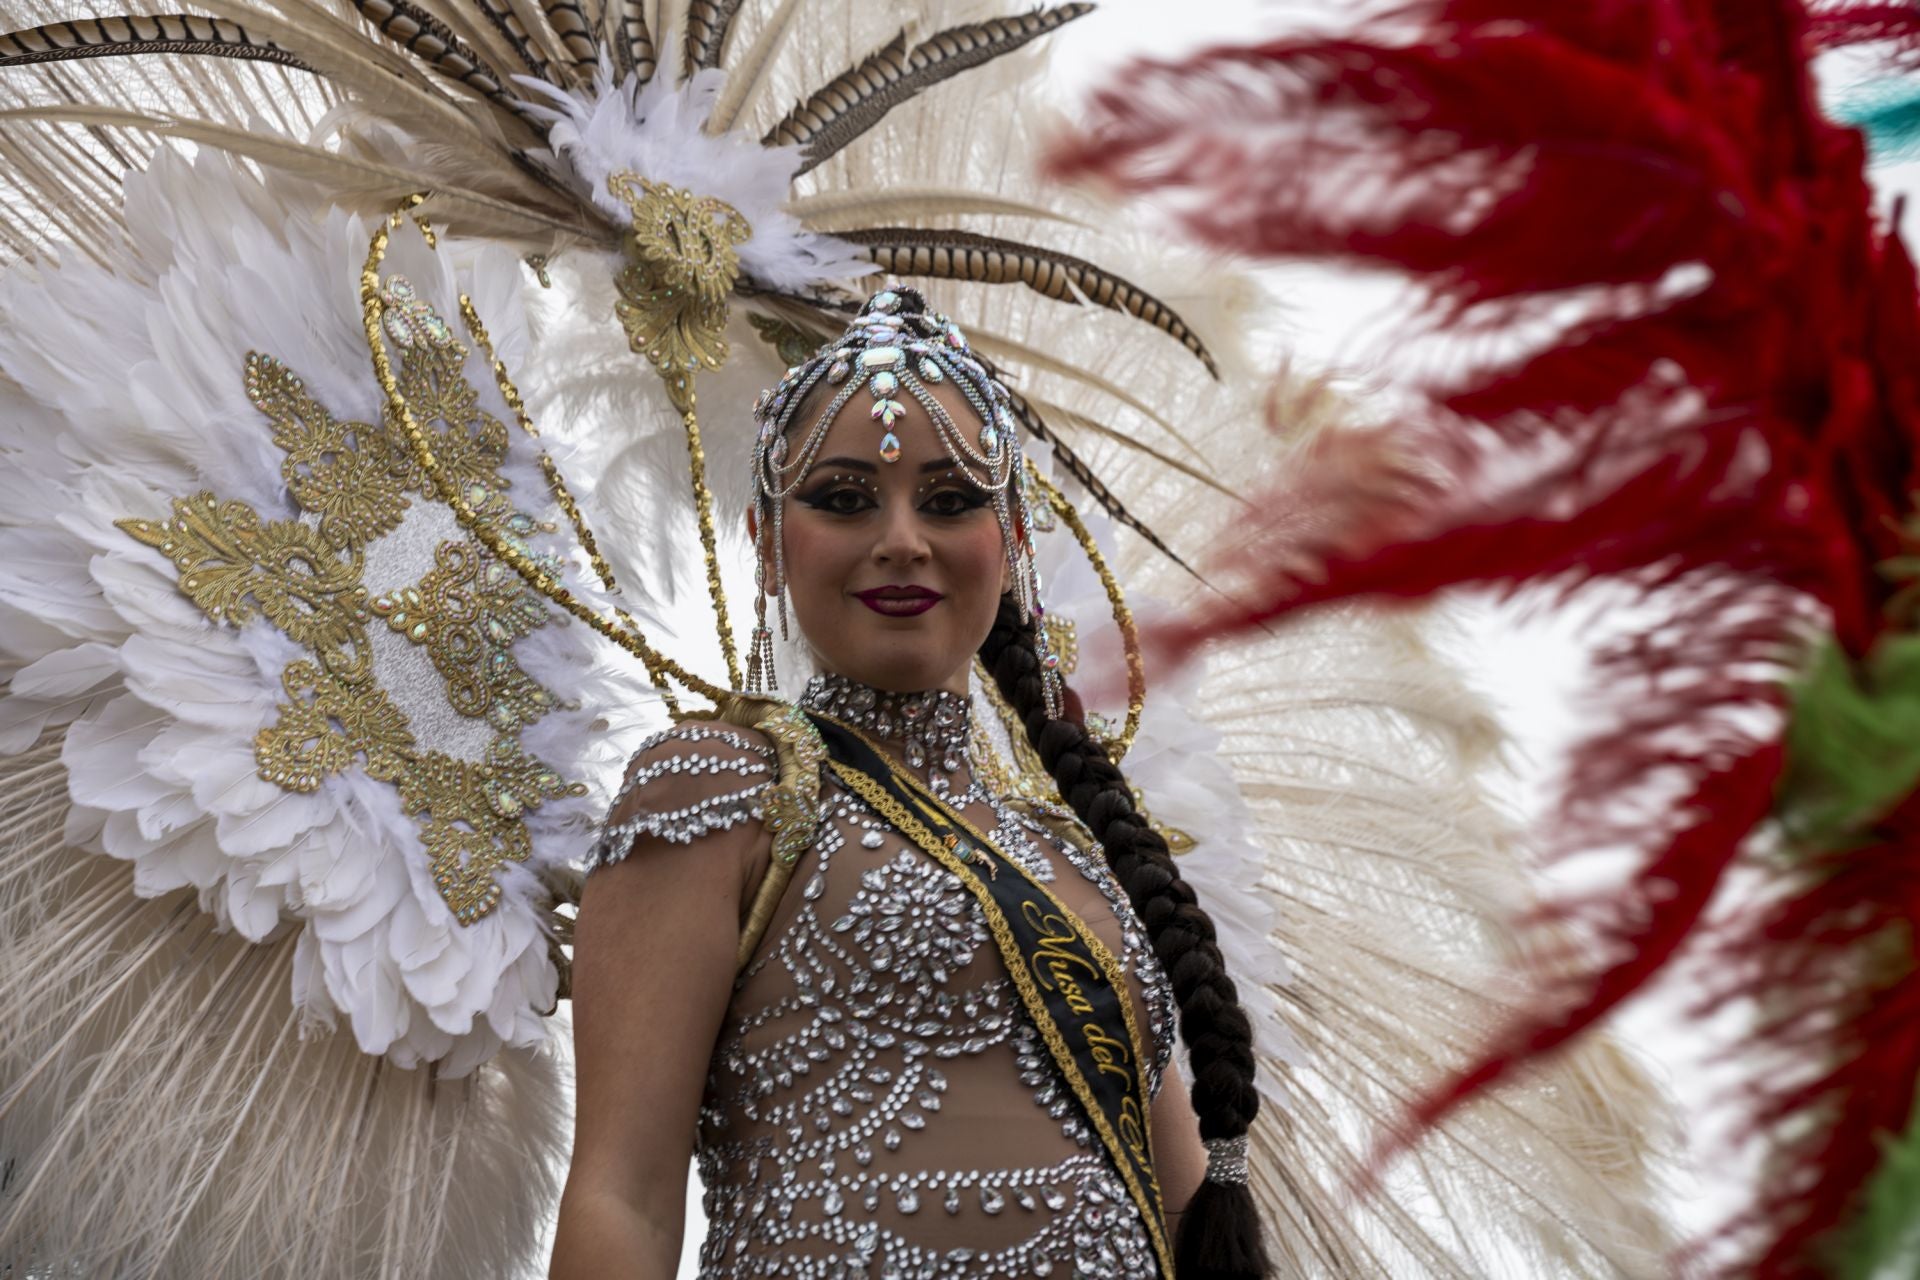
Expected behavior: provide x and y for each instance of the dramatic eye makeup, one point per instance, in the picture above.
(950, 495)
(839, 493)
(848, 486)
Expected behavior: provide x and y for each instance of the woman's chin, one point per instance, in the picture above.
(896, 672)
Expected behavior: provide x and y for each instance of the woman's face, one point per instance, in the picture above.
(894, 569)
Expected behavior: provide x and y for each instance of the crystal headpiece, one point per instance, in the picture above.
(894, 348)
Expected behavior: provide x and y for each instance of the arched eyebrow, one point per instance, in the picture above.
(861, 464)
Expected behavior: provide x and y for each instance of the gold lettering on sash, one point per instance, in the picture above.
(1109, 1053)
(1054, 952)
(1133, 1132)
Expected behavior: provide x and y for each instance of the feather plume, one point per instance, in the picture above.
(632, 43)
(575, 33)
(427, 38)
(1070, 463)
(708, 24)
(504, 20)
(825, 207)
(137, 33)
(861, 96)
(966, 255)
(352, 178)
(1003, 347)
(748, 73)
(658, 129)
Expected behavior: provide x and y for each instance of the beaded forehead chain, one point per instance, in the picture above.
(894, 346)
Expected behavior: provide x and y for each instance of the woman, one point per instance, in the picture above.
(872, 1085)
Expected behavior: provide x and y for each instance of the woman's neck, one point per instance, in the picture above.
(928, 730)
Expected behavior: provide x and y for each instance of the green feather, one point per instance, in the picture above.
(1853, 743)
(1883, 1242)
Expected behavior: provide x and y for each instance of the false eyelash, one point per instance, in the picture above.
(974, 497)
(820, 495)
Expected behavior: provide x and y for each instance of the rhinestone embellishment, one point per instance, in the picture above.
(930, 726)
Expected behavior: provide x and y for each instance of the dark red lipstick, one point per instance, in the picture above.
(899, 602)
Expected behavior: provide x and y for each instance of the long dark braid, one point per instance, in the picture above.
(1220, 1231)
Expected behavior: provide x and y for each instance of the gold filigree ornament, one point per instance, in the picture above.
(1117, 744)
(351, 482)
(682, 261)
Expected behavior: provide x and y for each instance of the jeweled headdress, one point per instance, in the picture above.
(895, 348)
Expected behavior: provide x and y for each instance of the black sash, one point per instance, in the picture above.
(1071, 985)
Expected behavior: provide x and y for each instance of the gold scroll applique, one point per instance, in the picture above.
(354, 485)
(683, 257)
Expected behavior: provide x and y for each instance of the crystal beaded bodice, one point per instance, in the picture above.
(878, 1103)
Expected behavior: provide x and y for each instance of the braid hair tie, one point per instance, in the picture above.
(1227, 1160)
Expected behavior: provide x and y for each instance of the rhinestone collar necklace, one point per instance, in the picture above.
(931, 727)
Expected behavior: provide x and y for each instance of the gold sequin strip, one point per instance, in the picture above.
(703, 503)
(557, 484)
(1117, 747)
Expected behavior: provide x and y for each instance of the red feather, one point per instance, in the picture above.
(1727, 417)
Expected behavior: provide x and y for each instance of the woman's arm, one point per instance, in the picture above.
(653, 969)
(1180, 1161)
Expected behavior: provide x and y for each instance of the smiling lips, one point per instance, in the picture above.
(899, 602)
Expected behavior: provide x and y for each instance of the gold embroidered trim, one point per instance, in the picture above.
(682, 260)
(304, 577)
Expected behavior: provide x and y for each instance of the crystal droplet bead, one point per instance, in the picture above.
(890, 447)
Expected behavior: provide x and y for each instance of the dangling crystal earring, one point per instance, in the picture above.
(761, 677)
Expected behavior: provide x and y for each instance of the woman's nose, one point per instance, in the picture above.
(901, 538)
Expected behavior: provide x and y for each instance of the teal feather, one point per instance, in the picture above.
(1888, 112)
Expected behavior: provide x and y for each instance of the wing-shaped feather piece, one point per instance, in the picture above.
(967, 255)
(860, 97)
(138, 33)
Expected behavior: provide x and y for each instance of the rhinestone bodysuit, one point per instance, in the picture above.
(878, 1103)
